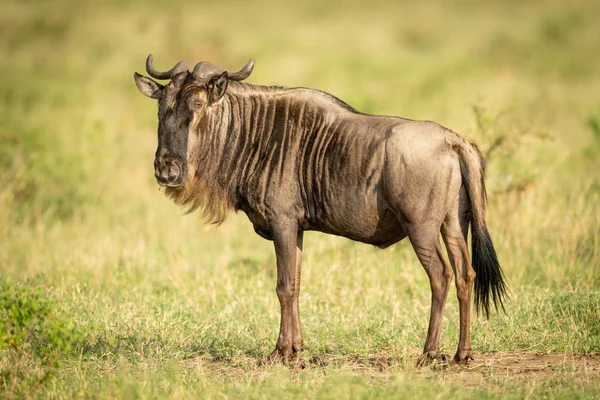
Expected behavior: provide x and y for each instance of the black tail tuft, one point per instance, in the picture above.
(490, 278)
(489, 282)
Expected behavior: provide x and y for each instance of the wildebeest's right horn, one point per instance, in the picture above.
(181, 66)
(242, 73)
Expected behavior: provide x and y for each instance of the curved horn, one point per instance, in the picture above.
(179, 67)
(242, 73)
(206, 70)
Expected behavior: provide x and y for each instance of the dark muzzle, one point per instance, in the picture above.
(169, 171)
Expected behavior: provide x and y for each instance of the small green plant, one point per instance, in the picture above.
(32, 333)
(593, 122)
(500, 136)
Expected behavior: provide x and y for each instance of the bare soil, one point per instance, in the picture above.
(527, 365)
(519, 365)
(497, 366)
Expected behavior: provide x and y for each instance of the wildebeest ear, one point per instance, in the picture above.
(217, 87)
(147, 86)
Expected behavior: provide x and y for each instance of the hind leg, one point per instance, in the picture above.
(454, 233)
(426, 243)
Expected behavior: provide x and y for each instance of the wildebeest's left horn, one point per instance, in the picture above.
(242, 73)
(181, 66)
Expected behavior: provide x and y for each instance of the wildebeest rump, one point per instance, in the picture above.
(298, 159)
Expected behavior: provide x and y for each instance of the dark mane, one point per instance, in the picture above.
(243, 86)
(275, 88)
(338, 101)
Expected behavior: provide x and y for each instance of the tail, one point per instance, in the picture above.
(490, 281)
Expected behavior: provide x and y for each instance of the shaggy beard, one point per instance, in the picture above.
(199, 194)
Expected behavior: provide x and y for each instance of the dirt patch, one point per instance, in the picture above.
(497, 366)
(485, 367)
(511, 363)
(516, 365)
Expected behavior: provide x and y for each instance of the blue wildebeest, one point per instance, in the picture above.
(298, 159)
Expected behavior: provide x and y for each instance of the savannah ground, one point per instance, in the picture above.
(108, 291)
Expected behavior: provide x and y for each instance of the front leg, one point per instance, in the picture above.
(297, 341)
(288, 247)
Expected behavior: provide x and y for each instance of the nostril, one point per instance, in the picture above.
(174, 171)
(169, 171)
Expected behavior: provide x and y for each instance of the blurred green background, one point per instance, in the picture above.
(108, 290)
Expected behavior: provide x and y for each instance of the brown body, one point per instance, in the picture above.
(299, 159)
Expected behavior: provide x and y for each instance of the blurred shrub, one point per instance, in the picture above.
(593, 122)
(33, 335)
(500, 137)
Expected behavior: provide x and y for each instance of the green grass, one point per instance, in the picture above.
(119, 295)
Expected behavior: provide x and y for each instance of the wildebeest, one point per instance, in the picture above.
(298, 159)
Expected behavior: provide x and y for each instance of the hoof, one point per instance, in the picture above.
(463, 358)
(288, 358)
(433, 359)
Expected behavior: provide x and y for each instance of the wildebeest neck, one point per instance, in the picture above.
(259, 141)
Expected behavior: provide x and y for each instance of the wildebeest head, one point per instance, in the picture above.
(181, 105)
